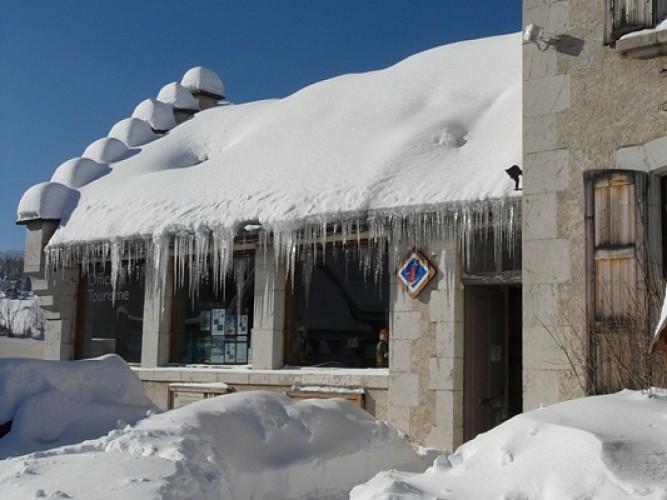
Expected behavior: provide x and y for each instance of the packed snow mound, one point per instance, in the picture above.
(157, 114)
(242, 445)
(607, 447)
(133, 132)
(46, 200)
(177, 97)
(437, 129)
(79, 171)
(53, 403)
(106, 150)
(201, 79)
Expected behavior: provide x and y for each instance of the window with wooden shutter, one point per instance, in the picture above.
(615, 214)
(626, 16)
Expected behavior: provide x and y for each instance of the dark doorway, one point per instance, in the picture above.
(493, 356)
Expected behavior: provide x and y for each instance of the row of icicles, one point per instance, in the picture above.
(207, 255)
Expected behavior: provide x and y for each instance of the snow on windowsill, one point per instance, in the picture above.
(644, 44)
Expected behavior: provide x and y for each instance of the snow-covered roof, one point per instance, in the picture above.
(46, 200)
(177, 97)
(158, 114)
(105, 150)
(201, 79)
(133, 132)
(432, 134)
(78, 172)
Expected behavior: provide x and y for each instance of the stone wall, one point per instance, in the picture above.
(578, 111)
(426, 353)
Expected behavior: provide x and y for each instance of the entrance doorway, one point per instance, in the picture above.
(492, 357)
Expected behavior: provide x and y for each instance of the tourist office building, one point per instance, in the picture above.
(408, 232)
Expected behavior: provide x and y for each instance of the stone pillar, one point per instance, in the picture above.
(268, 333)
(547, 178)
(157, 323)
(425, 397)
(56, 291)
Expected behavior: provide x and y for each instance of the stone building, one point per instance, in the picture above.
(266, 245)
(594, 159)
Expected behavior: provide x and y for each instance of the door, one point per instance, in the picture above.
(485, 395)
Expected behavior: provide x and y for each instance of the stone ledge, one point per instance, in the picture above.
(372, 378)
(644, 45)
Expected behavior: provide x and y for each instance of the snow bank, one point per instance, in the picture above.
(52, 403)
(438, 129)
(243, 445)
(611, 447)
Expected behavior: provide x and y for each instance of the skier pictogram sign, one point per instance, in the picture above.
(415, 272)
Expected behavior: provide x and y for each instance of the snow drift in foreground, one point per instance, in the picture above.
(53, 403)
(266, 445)
(436, 129)
(242, 445)
(605, 447)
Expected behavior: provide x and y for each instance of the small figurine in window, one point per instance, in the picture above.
(304, 347)
(382, 350)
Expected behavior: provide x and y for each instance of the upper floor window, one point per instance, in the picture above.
(626, 16)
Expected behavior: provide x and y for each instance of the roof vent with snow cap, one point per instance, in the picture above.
(204, 85)
(133, 132)
(78, 172)
(105, 150)
(178, 97)
(46, 200)
(159, 115)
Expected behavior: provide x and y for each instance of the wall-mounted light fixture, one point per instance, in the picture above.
(514, 173)
(536, 34)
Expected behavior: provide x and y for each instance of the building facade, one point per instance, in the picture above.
(301, 310)
(594, 158)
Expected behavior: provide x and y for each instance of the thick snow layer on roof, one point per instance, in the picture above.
(105, 150)
(46, 200)
(203, 79)
(157, 114)
(177, 97)
(436, 129)
(78, 172)
(133, 132)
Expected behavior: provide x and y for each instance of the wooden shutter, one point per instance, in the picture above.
(616, 215)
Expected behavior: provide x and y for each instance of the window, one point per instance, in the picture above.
(487, 257)
(214, 326)
(112, 320)
(626, 16)
(339, 304)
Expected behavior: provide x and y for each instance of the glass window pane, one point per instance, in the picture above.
(112, 320)
(338, 307)
(214, 326)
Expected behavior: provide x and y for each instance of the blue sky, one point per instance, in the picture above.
(70, 69)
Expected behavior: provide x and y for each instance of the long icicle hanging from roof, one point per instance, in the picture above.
(208, 254)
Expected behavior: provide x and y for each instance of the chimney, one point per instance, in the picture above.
(204, 85)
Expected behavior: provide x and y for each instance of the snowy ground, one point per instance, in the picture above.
(85, 430)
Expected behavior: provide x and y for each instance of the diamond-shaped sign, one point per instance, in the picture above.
(414, 273)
